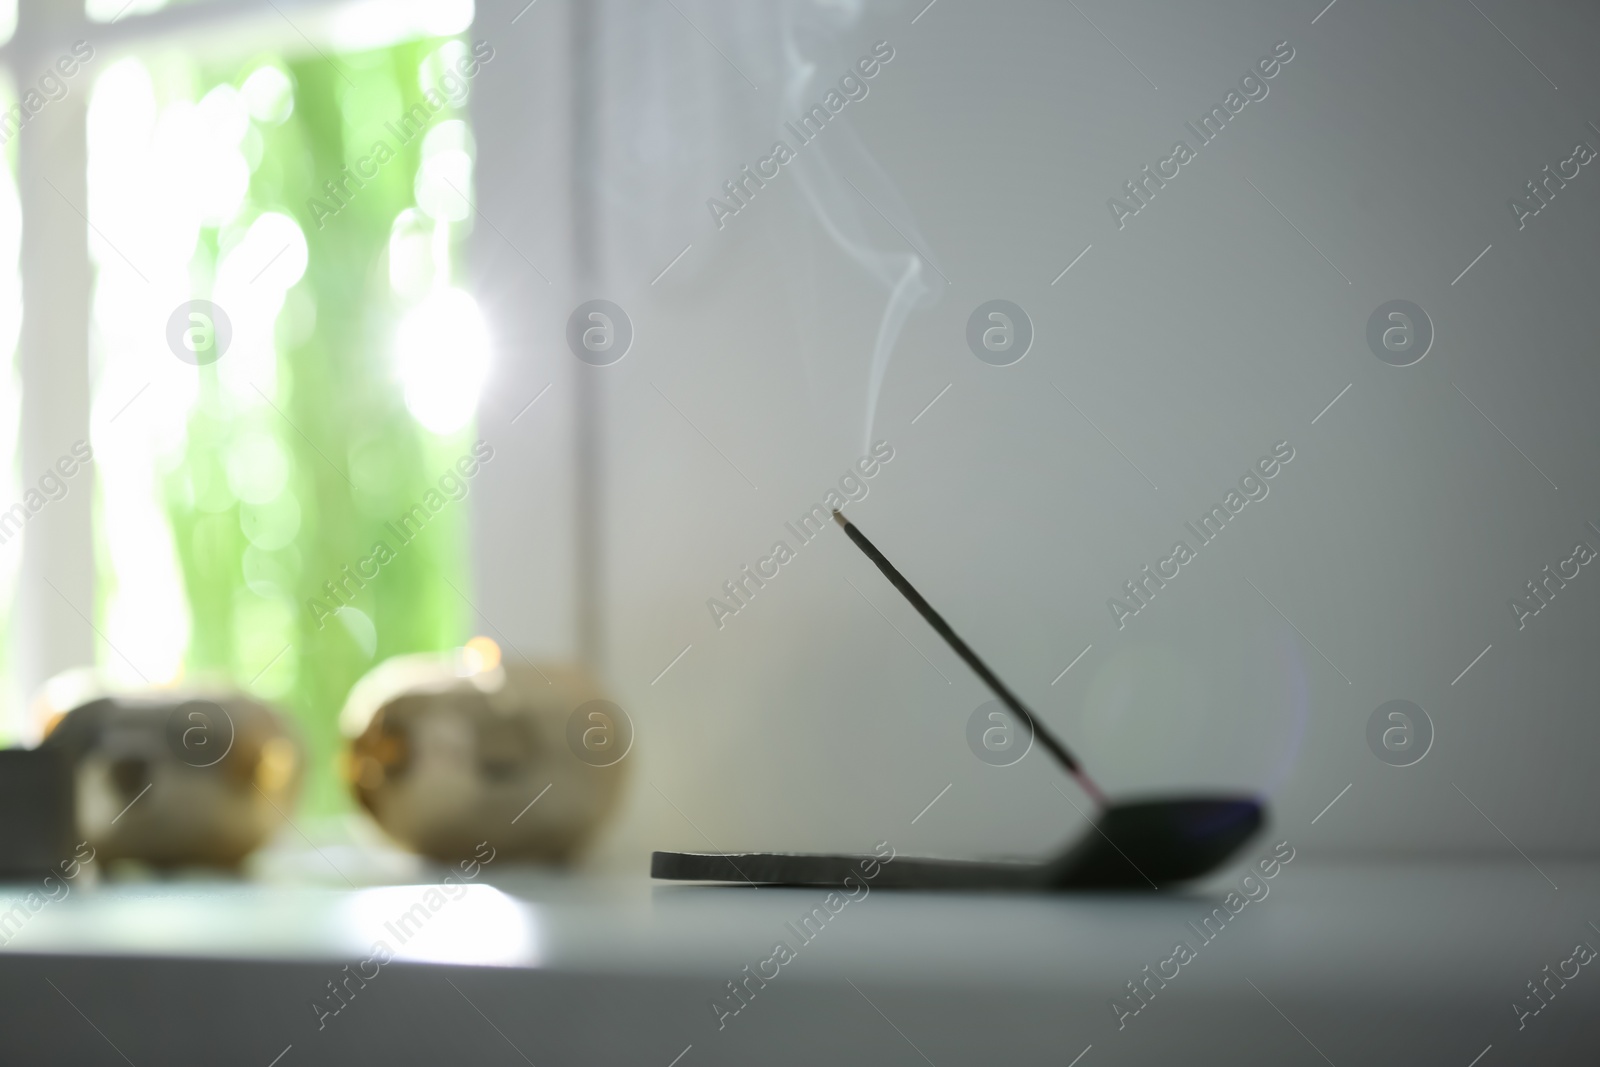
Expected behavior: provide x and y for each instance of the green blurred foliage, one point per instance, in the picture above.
(357, 459)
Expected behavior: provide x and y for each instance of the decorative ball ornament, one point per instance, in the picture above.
(172, 777)
(449, 750)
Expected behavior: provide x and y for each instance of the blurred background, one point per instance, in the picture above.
(383, 325)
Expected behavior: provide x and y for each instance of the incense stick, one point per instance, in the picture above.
(898, 580)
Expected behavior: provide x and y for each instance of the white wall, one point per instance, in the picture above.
(1205, 331)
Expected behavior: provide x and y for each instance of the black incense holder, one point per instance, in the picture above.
(1148, 843)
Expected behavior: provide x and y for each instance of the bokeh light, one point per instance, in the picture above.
(231, 495)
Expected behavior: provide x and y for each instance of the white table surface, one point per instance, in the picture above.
(1402, 962)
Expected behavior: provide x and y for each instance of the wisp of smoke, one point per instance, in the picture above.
(846, 187)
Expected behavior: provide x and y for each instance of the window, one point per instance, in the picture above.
(283, 363)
